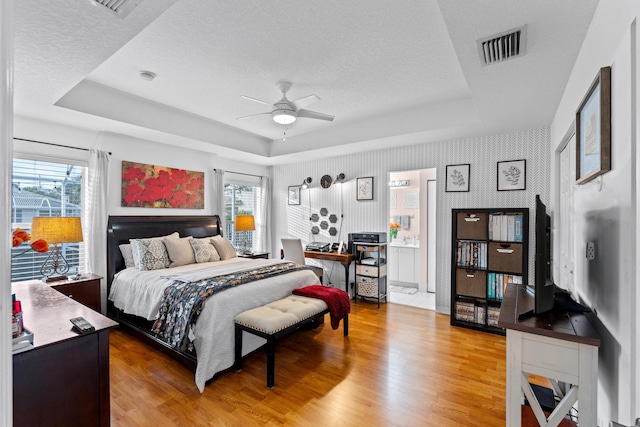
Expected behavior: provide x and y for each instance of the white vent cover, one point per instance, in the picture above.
(120, 8)
(501, 47)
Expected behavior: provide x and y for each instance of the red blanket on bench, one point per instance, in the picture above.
(338, 301)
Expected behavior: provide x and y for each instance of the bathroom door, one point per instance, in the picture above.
(431, 236)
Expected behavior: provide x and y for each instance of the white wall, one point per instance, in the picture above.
(123, 147)
(481, 152)
(605, 210)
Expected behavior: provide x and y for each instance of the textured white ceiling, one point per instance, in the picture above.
(392, 73)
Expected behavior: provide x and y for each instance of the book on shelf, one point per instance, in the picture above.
(517, 228)
(471, 255)
(492, 315)
(505, 227)
(511, 228)
(497, 282)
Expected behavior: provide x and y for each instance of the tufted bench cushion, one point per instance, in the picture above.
(278, 315)
(276, 319)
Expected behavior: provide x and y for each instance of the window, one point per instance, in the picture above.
(44, 188)
(240, 199)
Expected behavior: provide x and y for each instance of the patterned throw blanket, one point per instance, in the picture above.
(183, 302)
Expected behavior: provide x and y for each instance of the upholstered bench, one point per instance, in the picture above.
(276, 319)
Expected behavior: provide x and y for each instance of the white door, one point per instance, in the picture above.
(565, 227)
(431, 236)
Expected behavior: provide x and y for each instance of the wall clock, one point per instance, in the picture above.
(326, 181)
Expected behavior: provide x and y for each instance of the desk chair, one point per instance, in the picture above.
(293, 251)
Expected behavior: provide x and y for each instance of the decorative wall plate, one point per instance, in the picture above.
(326, 181)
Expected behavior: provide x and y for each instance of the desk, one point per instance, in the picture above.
(559, 345)
(64, 379)
(345, 259)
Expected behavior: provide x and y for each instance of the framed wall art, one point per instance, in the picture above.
(512, 175)
(593, 129)
(152, 186)
(364, 188)
(457, 178)
(294, 195)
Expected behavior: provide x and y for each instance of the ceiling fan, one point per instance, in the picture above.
(285, 112)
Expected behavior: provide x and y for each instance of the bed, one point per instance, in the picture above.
(134, 294)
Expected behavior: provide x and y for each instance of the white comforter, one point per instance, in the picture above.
(140, 293)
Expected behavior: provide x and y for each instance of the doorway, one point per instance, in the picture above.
(411, 251)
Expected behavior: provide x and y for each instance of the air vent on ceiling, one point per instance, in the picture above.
(501, 47)
(120, 8)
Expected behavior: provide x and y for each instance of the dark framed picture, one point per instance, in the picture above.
(512, 175)
(364, 188)
(294, 195)
(457, 178)
(593, 129)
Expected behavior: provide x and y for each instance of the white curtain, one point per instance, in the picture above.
(263, 215)
(217, 197)
(96, 217)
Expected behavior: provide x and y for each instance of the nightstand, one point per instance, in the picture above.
(255, 255)
(86, 290)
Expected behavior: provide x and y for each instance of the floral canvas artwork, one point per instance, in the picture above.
(151, 186)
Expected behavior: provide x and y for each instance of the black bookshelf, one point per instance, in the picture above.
(490, 248)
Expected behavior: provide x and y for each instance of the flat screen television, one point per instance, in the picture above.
(544, 287)
(547, 295)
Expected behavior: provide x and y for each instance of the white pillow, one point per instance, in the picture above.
(127, 254)
(138, 250)
(224, 247)
(204, 250)
(180, 251)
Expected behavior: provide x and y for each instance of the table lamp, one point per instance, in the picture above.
(245, 224)
(56, 230)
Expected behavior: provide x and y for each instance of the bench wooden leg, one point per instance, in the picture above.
(271, 361)
(237, 363)
(345, 325)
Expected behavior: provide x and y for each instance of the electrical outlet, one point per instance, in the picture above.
(591, 250)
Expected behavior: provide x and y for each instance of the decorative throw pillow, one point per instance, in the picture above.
(127, 254)
(180, 251)
(135, 253)
(224, 247)
(204, 250)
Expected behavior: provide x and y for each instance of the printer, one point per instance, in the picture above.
(366, 237)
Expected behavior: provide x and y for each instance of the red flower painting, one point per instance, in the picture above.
(150, 186)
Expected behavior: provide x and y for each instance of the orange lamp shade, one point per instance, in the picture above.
(245, 223)
(56, 229)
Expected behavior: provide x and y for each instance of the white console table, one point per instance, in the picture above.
(561, 346)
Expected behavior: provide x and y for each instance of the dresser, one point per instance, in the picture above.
(64, 379)
(85, 290)
(559, 345)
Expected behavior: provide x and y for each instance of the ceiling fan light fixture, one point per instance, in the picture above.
(283, 117)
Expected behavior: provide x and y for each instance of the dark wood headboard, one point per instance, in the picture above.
(122, 228)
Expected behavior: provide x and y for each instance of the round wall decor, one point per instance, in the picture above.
(326, 181)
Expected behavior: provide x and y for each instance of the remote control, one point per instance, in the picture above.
(82, 325)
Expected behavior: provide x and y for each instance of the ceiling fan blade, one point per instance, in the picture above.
(254, 100)
(251, 115)
(304, 102)
(315, 115)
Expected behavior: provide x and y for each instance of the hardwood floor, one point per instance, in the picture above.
(400, 366)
